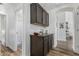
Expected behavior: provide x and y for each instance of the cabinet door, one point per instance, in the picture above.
(50, 41)
(33, 9)
(45, 18)
(39, 14)
(46, 45)
(36, 46)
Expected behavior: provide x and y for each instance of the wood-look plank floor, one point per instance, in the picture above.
(61, 52)
(5, 51)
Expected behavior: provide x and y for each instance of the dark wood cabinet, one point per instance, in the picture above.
(40, 45)
(50, 41)
(36, 45)
(38, 15)
(33, 13)
(45, 18)
(46, 45)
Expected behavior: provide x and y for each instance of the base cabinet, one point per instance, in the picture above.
(40, 45)
(46, 45)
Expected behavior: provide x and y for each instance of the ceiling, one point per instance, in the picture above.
(50, 6)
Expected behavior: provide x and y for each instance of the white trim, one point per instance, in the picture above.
(76, 51)
(23, 31)
(2, 13)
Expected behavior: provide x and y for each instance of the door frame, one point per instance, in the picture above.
(5, 27)
(22, 31)
(76, 25)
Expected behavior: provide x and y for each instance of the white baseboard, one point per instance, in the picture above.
(76, 51)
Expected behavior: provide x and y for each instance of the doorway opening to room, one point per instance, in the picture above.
(5, 49)
(65, 30)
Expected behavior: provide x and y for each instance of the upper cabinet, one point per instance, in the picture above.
(45, 18)
(38, 15)
(33, 12)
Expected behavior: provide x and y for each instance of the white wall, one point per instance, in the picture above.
(26, 13)
(2, 15)
(10, 27)
(36, 28)
(2, 9)
(52, 19)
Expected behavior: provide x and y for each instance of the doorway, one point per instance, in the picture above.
(61, 34)
(17, 36)
(65, 30)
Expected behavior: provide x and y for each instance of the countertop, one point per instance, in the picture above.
(42, 35)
